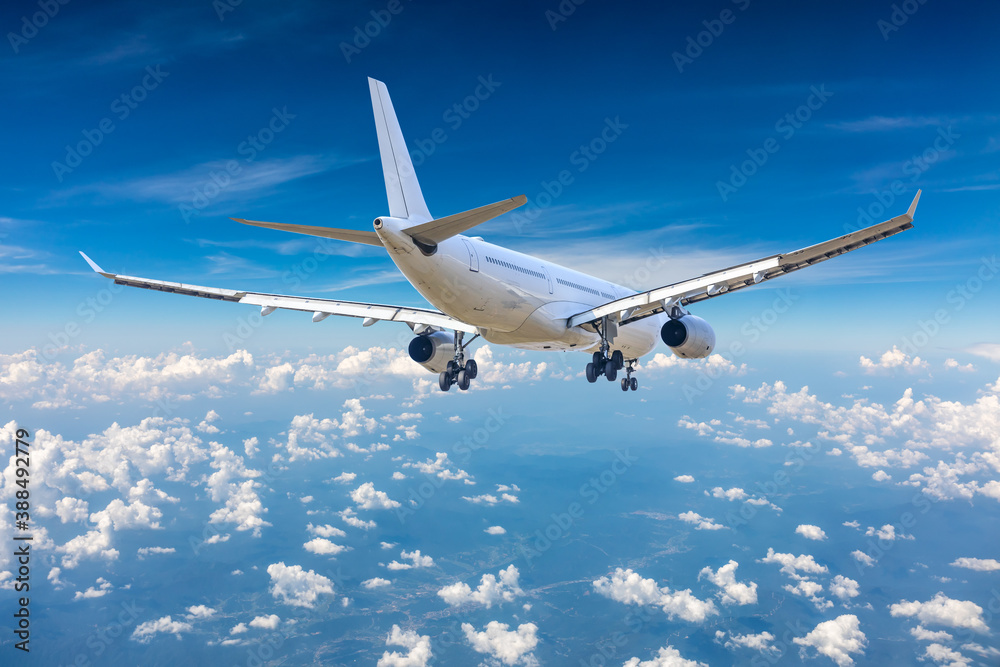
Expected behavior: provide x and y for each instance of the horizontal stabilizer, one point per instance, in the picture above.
(352, 235)
(433, 232)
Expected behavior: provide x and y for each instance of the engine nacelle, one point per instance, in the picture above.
(433, 352)
(689, 337)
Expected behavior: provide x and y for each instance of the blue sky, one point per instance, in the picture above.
(655, 187)
(185, 440)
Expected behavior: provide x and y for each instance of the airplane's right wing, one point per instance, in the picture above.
(717, 283)
(321, 308)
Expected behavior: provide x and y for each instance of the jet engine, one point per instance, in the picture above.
(433, 351)
(689, 337)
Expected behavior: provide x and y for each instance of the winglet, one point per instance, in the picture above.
(95, 267)
(913, 206)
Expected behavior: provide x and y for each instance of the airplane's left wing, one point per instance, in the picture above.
(321, 308)
(717, 283)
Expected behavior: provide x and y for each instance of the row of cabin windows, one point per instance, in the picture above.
(591, 290)
(515, 267)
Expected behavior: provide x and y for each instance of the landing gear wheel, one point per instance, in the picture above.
(635, 384)
(598, 359)
(444, 380)
(610, 372)
(463, 380)
(471, 369)
(618, 360)
(591, 373)
(625, 384)
(452, 367)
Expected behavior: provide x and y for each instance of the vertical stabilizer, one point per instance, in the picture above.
(401, 186)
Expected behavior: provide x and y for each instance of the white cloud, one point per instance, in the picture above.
(667, 656)
(989, 351)
(142, 552)
(628, 587)
(836, 639)
(732, 592)
(844, 588)
(700, 522)
(297, 587)
(978, 564)
(324, 547)
(440, 467)
(943, 655)
(200, 611)
(942, 610)
(415, 558)
(810, 532)
(510, 647)
(418, 649)
(71, 509)
(238, 629)
(760, 642)
(684, 479)
(925, 635)
(732, 494)
(346, 477)
(490, 499)
(894, 358)
(145, 632)
(269, 622)
(881, 476)
(863, 558)
(325, 531)
(366, 497)
(951, 364)
(490, 591)
(793, 565)
(351, 519)
(887, 533)
(495, 530)
(376, 582)
(103, 588)
(810, 589)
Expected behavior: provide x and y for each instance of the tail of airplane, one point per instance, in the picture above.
(406, 201)
(401, 186)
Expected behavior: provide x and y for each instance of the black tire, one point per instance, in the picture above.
(452, 367)
(591, 373)
(624, 384)
(598, 359)
(618, 359)
(635, 384)
(610, 372)
(471, 369)
(463, 380)
(444, 381)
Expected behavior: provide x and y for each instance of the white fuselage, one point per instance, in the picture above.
(514, 299)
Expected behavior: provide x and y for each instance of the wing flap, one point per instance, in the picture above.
(714, 284)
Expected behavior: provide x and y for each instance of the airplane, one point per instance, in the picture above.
(511, 298)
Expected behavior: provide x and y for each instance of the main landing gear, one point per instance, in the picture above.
(459, 371)
(608, 366)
